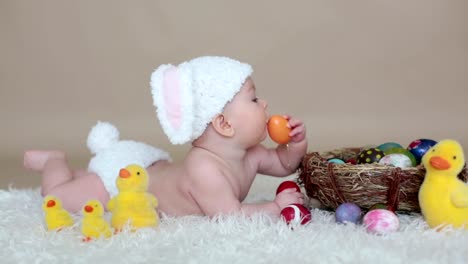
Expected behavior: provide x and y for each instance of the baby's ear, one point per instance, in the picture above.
(222, 126)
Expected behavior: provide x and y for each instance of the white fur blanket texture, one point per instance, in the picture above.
(229, 239)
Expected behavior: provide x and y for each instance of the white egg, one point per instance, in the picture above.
(397, 160)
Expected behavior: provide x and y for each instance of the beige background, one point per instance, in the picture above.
(357, 72)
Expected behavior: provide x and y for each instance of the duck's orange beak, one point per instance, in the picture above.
(50, 203)
(439, 163)
(88, 208)
(123, 173)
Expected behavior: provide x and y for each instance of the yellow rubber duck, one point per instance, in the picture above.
(133, 205)
(443, 198)
(93, 225)
(56, 217)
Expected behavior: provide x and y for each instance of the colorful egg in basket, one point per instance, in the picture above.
(389, 145)
(370, 155)
(403, 151)
(419, 147)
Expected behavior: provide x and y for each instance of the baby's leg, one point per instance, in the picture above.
(80, 172)
(53, 166)
(58, 180)
(75, 193)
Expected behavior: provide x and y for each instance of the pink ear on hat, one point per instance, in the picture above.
(173, 97)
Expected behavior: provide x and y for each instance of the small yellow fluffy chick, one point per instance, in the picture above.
(443, 198)
(93, 225)
(56, 217)
(133, 205)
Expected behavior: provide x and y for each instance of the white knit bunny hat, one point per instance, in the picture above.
(190, 95)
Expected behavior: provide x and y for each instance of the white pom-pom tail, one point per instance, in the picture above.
(102, 136)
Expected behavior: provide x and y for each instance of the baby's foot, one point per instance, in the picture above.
(36, 159)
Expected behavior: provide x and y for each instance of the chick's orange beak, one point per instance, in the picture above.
(51, 203)
(124, 173)
(439, 163)
(88, 209)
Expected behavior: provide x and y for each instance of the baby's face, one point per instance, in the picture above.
(247, 114)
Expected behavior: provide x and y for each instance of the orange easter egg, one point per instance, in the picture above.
(278, 129)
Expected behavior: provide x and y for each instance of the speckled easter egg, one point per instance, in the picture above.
(396, 160)
(389, 145)
(419, 147)
(381, 221)
(336, 161)
(404, 152)
(296, 214)
(348, 213)
(371, 155)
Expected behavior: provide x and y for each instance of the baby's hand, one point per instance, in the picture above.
(289, 196)
(298, 131)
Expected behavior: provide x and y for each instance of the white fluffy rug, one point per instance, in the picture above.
(233, 239)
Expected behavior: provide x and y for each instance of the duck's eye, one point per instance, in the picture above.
(138, 173)
(433, 150)
(454, 157)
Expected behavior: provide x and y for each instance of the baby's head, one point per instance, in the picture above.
(188, 97)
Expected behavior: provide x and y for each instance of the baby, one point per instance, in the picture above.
(210, 102)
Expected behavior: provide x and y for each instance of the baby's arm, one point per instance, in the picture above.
(285, 159)
(283, 199)
(215, 195)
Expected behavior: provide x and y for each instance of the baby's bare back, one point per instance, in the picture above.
(174, 184)
(166, 182)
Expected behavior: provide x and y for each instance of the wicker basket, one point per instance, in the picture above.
(365, 184)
